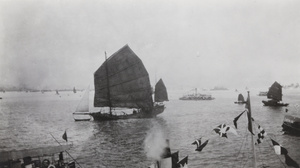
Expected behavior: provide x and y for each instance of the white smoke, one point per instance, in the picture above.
(155, 142)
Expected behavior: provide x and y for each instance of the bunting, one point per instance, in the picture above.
(200, 147)
(197, 142)
(65, 137)
(175, 159)
(183, 162)
(236, 119)
(279, 150)
(222, 130)
(290, 162)
(261, 135)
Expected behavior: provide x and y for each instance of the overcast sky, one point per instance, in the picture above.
(189, 43)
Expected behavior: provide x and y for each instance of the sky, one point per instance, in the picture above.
(50, 44)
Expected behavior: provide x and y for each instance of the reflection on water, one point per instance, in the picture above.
(27, 119)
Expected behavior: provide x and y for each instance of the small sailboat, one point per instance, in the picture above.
(122, 84)
(74, 90)
(55, 91)
(241, 100)
(160, 93)
(82, 111)
(275, 94)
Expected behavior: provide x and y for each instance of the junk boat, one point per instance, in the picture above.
(275, 94)
(122, 84)
(241, 100)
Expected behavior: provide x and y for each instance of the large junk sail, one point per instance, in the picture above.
(122, 81)
(275, 92)
(160, 92)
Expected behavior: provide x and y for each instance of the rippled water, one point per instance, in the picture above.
(28, 119)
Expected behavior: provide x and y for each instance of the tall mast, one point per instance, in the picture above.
(252, 136)
(107, 82)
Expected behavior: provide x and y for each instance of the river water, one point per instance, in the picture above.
(27, 120)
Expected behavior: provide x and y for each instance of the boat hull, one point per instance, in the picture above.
(274, 103)
(240, 102)
(107, 117)
(196, 98)
(291, 125)
(82, 119)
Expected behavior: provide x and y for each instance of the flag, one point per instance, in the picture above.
(236, 118)
(199, 148)
(279, 150)
(183, 162)
(261, 135)
(248, 107)
(290, 162)
(64, 136)
(175, 159)
(197, 142)
(221, 130)
(232, 130)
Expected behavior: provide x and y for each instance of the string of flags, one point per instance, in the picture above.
(279, 150)
(261, 135)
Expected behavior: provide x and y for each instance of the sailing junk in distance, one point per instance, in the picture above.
(122, 81)
(275, 94)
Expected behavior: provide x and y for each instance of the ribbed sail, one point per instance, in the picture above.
(160, 93)
(83, 105)
(122, 81)
(241, 98)
(275, 92)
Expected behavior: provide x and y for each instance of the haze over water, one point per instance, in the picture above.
(60, 44)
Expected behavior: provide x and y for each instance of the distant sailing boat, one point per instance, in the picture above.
(275, 94)
(161, 94)
(83, 107)
(241, 99)
(56, 92)
(122, 82)
(74, 90)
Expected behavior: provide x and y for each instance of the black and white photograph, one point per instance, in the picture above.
(149, 83)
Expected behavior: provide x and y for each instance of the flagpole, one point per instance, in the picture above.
(65, 150)
(252, 136)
